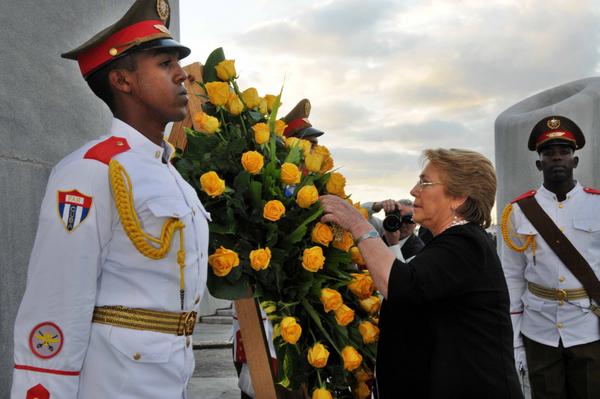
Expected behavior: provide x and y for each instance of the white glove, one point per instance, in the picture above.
(522, 372)
(520, 360)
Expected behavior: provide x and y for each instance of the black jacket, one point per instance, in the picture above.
(445, 326)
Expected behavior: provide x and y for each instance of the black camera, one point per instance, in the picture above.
(394, 220)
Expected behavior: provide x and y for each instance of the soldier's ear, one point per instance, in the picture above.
(538, 165)
(575, 162)
(120, 80)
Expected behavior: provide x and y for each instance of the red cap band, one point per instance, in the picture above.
(295, 125)
(555, 135)
(122, 40)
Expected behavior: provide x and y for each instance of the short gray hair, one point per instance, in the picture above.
(406, 202)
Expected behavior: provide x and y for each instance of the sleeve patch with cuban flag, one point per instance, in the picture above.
(38, 392)
(73, 208)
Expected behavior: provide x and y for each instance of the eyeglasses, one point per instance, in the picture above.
(424, 184)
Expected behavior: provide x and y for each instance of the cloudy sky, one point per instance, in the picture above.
(388, 79)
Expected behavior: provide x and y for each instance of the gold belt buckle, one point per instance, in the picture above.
(187, 322)
(561, 294)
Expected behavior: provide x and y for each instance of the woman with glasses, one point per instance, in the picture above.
(445, 322)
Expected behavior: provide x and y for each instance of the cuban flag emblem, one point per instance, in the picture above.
(73, 208)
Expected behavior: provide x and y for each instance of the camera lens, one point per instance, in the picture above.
(392, 222)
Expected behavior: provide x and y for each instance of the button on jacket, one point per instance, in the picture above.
(543, 320)
(82, 258)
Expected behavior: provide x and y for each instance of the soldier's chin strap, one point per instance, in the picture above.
(504, 224)
(122, 191)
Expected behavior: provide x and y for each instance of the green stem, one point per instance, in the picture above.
(319, 379)
(223, 120)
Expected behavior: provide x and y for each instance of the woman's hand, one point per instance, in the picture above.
(341, 213)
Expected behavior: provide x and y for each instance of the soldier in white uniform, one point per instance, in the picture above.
(556, 330)
(119, 261)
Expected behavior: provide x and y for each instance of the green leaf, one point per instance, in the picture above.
(300, 231)
(241, 183)
(255, 189)
(315, 316)
(294, 155)
(209, 73)
(220, 287)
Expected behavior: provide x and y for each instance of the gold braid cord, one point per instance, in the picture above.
(504, 224)
(123, 196)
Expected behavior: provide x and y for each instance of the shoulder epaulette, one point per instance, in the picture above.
(591, 190)
(527, 194)
(107, 149)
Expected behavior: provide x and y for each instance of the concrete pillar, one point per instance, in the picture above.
(515, 164)
(46, 111)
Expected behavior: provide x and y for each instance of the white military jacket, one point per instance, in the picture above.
(543, 320)
(83, 258)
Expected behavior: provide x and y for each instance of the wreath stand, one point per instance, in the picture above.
(248, 309)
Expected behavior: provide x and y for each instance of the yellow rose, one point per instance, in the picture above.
(290, 174)
(226, 70)
(327, 164)
(369, 332)
(352, 359)
(307, 196)
(270, 100)
(364, 212)
(345, 243)
(331, 299)
(290, 330)
(306, 146)
(291, 142)
(375, 320)
(313, 161)
(268, 306)
(273, 210)
(250, 98)
(223, 260)
(362, 391)
(212, 184)
(262, 106)
(234, 105)
(252, 161)
(218, 92)
(336, 184)
(313, 259)
(318, 355)
(357, 256)
(321, 149)
(363, 375)
(371, 304)
(260, 258)
(205, 123)
(321, 393)
(261, 133)
(280, 126)
(362, 285)
(344, 315)
(321, 234)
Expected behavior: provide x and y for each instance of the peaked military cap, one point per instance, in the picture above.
(556, 130)
(143, 27)
(297, 122)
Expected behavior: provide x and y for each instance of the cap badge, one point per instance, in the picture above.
(554, 135)
(162, 28)
(553, 123)
(162, 8)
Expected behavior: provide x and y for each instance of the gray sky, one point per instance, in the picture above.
(388, 79)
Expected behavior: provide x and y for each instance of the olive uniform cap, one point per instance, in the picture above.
(143, 27)
(298, 124)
